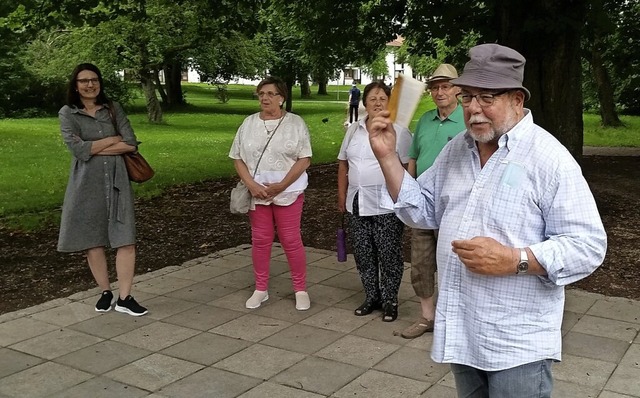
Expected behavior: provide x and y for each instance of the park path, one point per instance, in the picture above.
(199, 340)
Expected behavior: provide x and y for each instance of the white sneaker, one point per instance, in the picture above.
(257, 298)
(303, 302)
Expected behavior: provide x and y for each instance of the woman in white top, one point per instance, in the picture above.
(277, 180)
(376, 233)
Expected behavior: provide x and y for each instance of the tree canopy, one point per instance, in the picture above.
(301, 39)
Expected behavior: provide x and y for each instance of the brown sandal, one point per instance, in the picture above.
(420, 327)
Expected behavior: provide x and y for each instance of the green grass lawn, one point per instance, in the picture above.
(192, 145)
(596, 135)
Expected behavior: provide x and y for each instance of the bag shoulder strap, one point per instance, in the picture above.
(267, 144)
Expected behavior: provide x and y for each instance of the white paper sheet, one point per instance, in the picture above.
(405, 97)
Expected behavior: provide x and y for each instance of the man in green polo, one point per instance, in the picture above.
(435, 128)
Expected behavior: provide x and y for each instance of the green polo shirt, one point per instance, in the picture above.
(432, 134)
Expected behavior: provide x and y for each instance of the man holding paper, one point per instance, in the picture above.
(517, 222)
(434, 130)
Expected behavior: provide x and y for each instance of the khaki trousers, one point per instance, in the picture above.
(423, 261)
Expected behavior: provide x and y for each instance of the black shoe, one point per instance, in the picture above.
(130, 306)
(390, 311)
(105, 302)
(367, 308)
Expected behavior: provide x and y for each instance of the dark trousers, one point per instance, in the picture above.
(353, 113)
(377, 248)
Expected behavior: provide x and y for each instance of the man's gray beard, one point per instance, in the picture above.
(483, 139)
(496, 132)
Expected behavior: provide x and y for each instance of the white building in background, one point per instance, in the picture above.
(353, 72)
(347, 75)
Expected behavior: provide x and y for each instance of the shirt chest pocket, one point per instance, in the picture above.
(508, 203)
(508, 208)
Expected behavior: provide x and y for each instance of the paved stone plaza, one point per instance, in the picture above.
(198, 340)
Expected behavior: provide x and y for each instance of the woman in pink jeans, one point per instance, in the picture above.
(271, 153)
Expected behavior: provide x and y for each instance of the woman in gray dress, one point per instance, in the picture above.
(98, 204)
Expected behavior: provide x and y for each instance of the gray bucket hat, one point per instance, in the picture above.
(493, 66)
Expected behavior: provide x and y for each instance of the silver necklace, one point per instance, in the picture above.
(269, 132)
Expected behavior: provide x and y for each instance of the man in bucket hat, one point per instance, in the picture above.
(517, 222)
(434, 129)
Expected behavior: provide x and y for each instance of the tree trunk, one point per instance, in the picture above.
(305, 90)
(156, 78)
(154, 111)
(603, 83)
(173, 82)
(552, 51)
(290, 81)
(322, 87)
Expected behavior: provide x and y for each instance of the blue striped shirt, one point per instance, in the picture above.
(530, 193)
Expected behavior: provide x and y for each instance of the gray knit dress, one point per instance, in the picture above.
(98, 203)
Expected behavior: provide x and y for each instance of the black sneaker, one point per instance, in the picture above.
(130, 306)
(105, 301)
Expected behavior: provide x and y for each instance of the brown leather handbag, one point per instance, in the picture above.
(138, 168)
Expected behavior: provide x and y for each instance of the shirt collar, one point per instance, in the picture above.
(456, 116)
(518, 133)
(75, 109)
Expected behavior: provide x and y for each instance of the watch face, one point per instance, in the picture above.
(523, 266)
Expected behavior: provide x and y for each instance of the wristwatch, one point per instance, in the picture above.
(523, 265)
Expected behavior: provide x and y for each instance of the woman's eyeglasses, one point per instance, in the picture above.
(85, 82)
(269, 94)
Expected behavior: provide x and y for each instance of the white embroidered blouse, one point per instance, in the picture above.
(290, 142)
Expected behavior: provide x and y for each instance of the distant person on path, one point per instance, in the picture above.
(517, 222)
(433, 131)
(375, 232)
(277, 181)
(98, 204)
(354, 103)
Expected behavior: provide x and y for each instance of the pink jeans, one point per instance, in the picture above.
(264, 221)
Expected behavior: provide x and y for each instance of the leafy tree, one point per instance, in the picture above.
(237, 56)
(143, 37)
(546, 32)
(600, 25)
(423, 65)
(377, 68)
(625, 57)
(320, 37)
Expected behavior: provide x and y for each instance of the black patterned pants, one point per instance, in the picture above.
(377, 248)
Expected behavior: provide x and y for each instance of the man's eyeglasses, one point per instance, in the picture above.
(443, 87)
(484, 99)
(269, 94)
(84, 82)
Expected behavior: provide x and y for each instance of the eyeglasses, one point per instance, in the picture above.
(484, 99)
(84, 82)
(269, 94)
(443, 87)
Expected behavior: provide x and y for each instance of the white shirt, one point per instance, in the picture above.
(290, 142)
(365, 176)
(530, 193)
